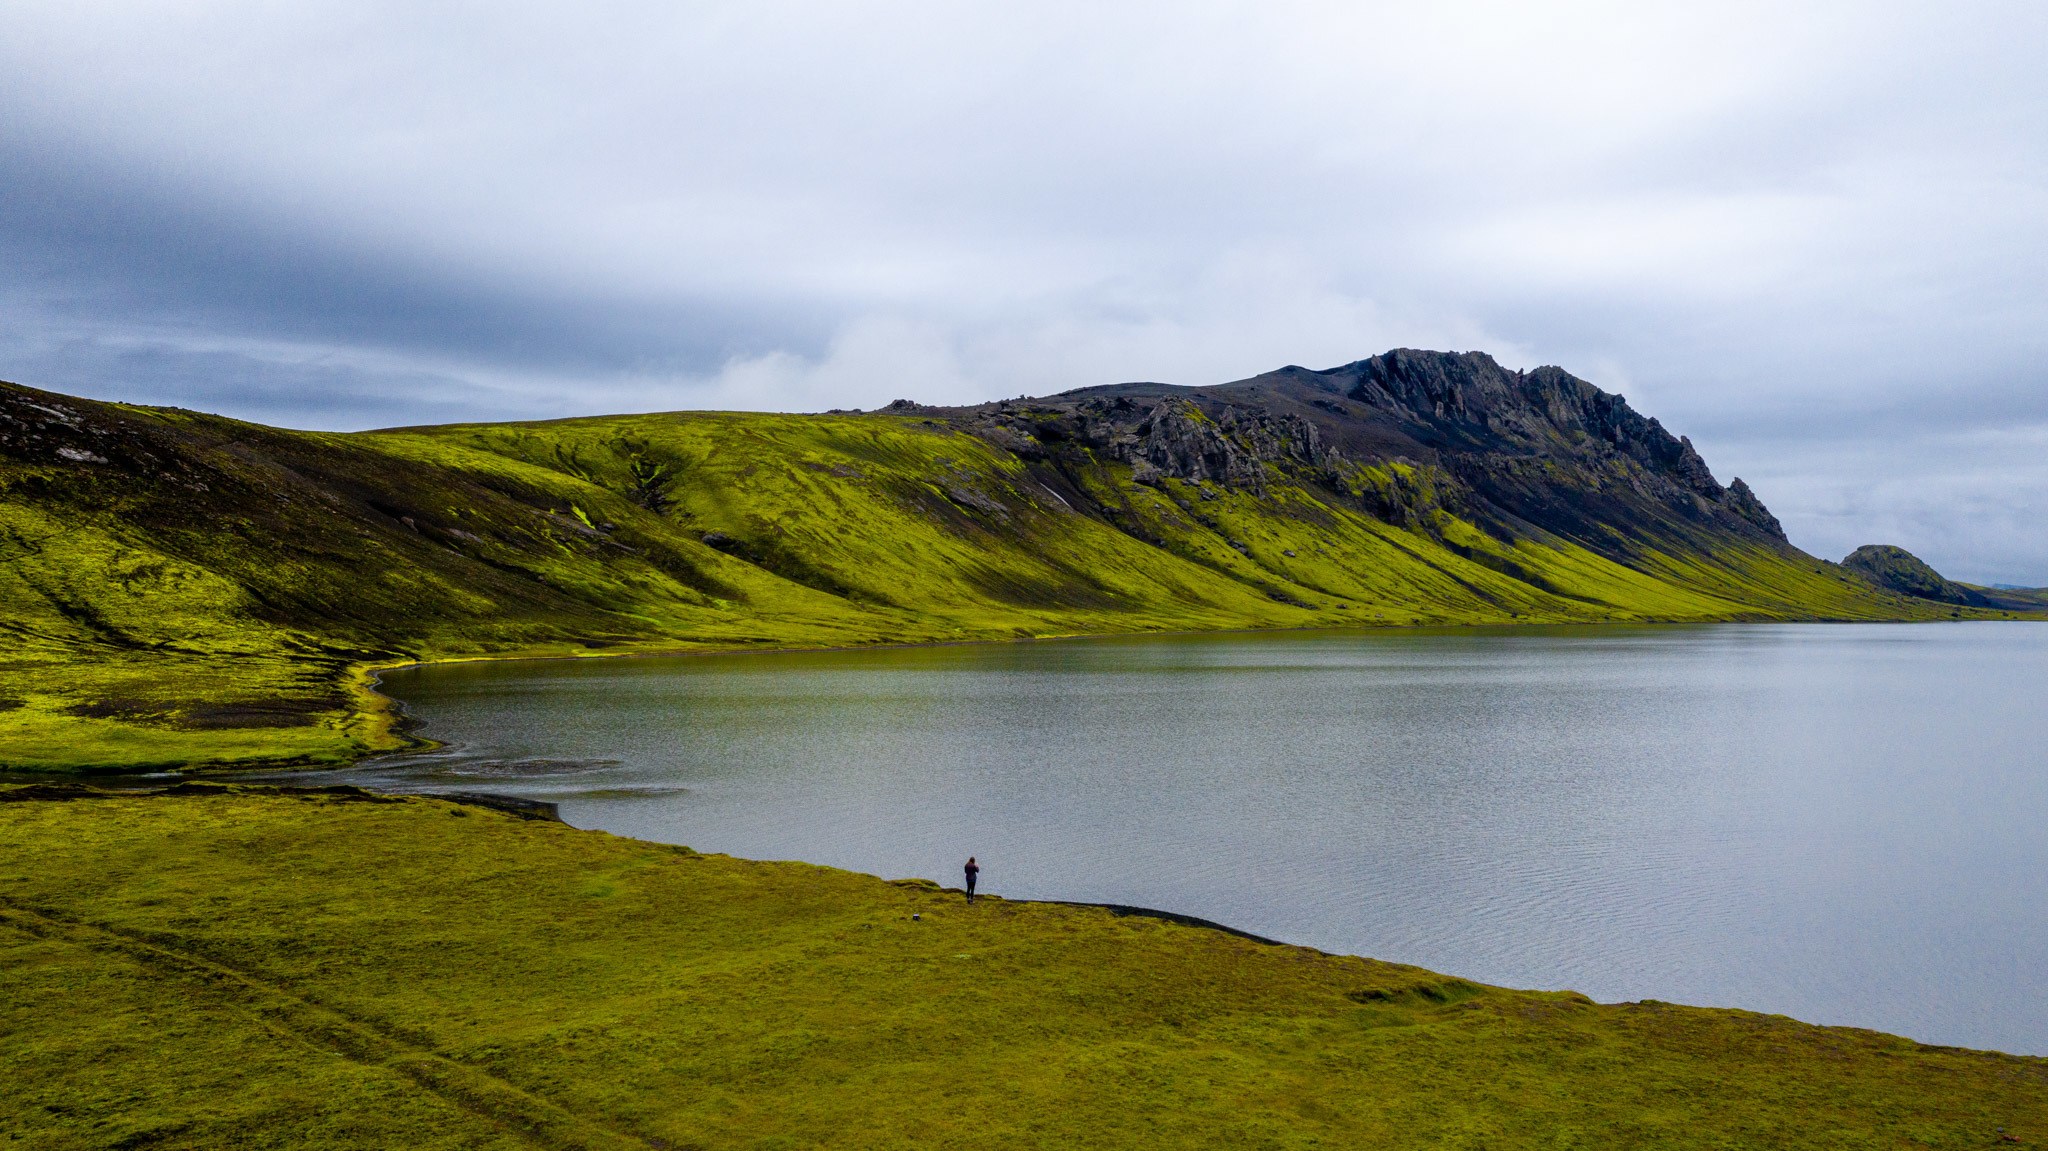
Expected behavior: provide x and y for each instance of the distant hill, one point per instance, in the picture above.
(2015, 598)
(1903, 572)
(1896, 569)
(178, 587)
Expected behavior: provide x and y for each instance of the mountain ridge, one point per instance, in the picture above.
(179, 587)
(1428, 409)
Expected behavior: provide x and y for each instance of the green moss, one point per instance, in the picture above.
(212, 592)
(241, 969)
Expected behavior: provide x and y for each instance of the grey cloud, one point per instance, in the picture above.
(1809, 236)
(112, 271)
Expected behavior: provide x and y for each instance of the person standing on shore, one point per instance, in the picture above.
(973, 872)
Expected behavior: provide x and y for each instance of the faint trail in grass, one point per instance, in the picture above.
(469, 1088)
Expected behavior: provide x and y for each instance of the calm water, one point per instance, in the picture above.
(1848, 824)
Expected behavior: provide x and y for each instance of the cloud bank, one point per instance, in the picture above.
(1811, 236)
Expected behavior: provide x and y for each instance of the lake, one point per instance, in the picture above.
(1843, 823)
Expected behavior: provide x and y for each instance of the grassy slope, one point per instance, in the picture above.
(2027, 598)
(210, 590)
(412, 973)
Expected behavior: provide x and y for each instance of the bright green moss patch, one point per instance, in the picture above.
(244, 969)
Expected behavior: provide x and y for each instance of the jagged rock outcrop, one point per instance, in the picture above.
(1232, 447)
(1744, 503)
(1468, 401)
(1539, 452)
(1901, 571)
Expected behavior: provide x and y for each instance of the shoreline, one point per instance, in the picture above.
(378, 724)
(372, 674)
(544, 810)
(526, 810)
(243, 965)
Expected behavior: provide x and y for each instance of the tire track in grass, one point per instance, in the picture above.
(465, 1086)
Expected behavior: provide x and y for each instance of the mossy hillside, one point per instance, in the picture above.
(232, 968)
(882, 509)
(179, 588)
(202, 589)
(895, 520)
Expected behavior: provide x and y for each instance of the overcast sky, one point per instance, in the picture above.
(1813, 237)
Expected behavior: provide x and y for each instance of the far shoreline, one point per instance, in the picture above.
(374, 672)
(386, 713)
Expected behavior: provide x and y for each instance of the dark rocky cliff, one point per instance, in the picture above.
(1537, 454)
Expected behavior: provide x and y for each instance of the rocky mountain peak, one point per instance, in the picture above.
(1469, 396)
(1521, 452)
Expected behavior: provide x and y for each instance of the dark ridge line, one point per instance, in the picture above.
(524, 808)
(535, 809)
(1125, 910)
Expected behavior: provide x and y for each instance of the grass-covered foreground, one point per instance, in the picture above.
(233, 968)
